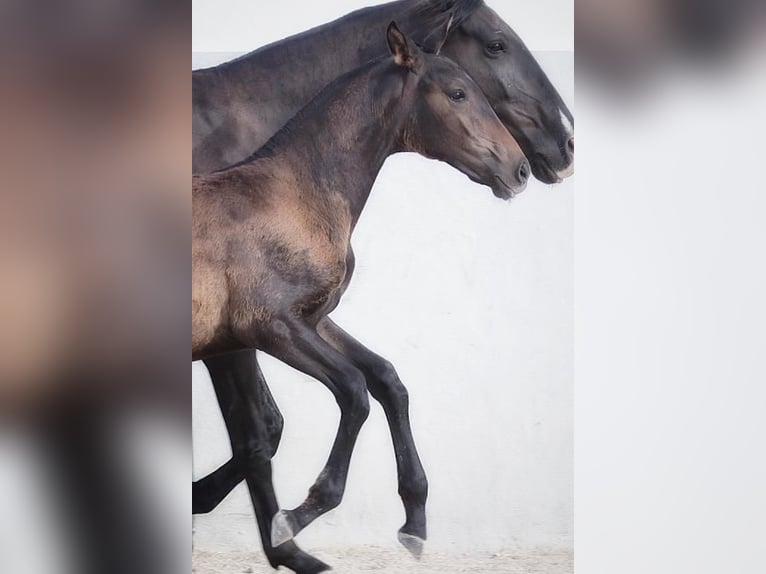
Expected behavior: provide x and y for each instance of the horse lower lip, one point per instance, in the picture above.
(506, 190)
(565, 173)
(550, 173)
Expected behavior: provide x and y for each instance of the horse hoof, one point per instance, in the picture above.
(296, 560)
(314, 567)
(321, 567)
(412, 543)
(281, 531)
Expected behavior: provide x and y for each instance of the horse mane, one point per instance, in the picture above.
(426, 19)
(318, 102)
(429, 18)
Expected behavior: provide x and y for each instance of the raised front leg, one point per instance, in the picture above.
(300, 346)
(385, 387)
(241, 369)
(248, 418)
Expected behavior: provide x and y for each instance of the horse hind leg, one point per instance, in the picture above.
(242, 369)
(246, 415)
(209, 491)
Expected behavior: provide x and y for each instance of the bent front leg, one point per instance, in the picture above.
(385, 387)
(301, 347)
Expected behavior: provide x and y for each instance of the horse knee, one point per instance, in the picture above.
(388, 386)
(275, 423)
(353, 400)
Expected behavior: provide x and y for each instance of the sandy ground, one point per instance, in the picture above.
(394, 561)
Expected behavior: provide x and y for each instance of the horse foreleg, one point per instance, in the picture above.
(301, 347)
(386, 388)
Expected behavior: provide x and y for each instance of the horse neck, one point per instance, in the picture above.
(339, 142)
(307, 62)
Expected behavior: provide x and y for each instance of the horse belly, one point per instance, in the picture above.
(208, 310)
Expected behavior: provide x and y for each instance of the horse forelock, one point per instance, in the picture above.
(429, 17)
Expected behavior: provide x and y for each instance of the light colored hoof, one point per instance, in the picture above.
(281, 531)
(412, 543)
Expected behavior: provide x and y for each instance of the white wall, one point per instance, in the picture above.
(471, 299)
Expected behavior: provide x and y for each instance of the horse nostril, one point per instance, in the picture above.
(570, 145)
(524, 172)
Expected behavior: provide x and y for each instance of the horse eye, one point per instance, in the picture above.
(496, 47)
(457, 96)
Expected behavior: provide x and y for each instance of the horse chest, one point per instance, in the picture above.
(297, 274)
(323, 280)
(309, 248)
(326, 299)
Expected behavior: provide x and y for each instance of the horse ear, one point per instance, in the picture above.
(399, 47)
